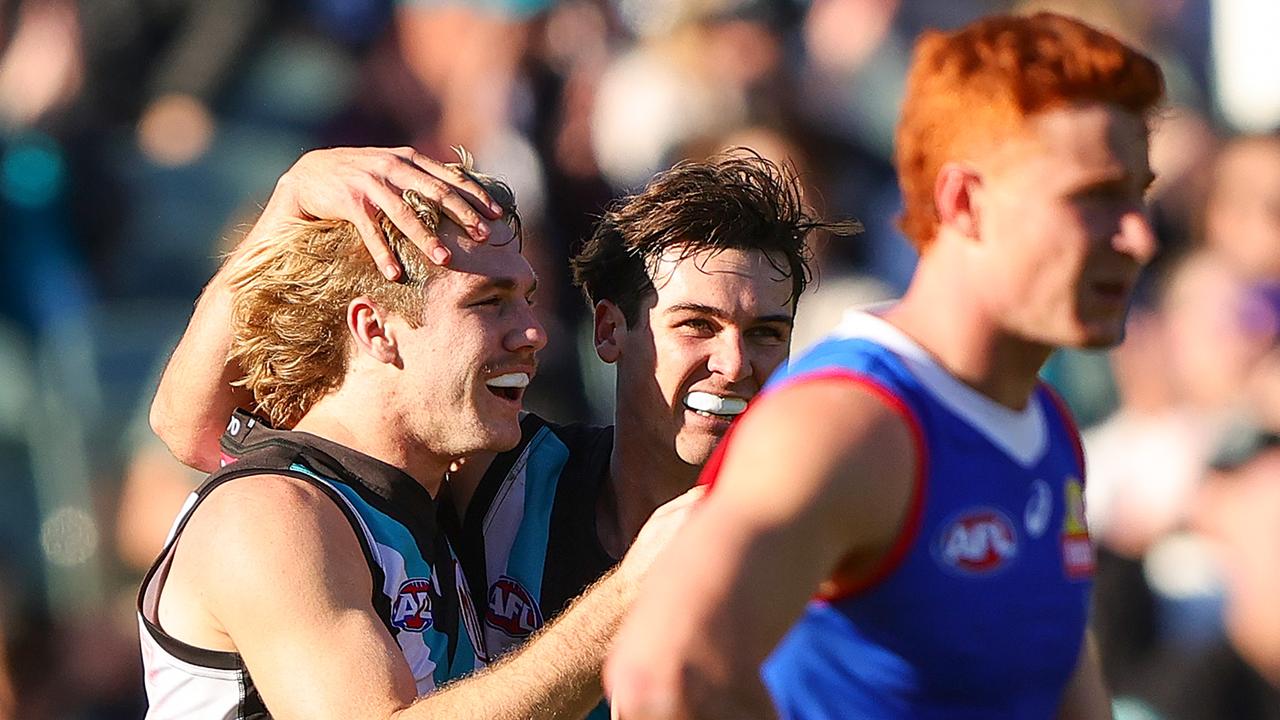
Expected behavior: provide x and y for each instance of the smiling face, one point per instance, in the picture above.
(703, 345)
(468, 362)
(1061, 218)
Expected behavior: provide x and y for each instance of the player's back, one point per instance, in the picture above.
(979, 609)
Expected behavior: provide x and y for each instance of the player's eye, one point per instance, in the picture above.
(767, 335)
(699, 325)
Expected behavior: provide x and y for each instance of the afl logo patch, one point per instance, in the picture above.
(979, 541)
(512, 609)
(411, 610)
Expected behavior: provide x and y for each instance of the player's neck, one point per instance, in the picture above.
(965, 343)
(371, 428)
(640, 480)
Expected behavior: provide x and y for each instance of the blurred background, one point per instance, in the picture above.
(139, 138)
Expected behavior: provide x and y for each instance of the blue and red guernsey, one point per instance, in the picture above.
(980, 608)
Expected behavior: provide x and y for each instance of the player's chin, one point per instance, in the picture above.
(1099, 334)
(498, 434)
(695, 445)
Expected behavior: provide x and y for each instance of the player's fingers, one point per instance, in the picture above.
(393, 206)
(365, 218)
(453, 175)
(459, 196)
(451, 202)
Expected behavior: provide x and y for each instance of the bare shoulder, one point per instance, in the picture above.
(256, 535)
(831, 421)
(829, 449)
(265, 507)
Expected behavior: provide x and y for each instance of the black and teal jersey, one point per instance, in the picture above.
(419, 591)
(529, 542)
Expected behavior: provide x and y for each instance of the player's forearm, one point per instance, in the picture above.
(677, 656)
(711, 613)
(555, 675)
(195, 396)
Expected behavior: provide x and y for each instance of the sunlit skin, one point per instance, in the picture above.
(719, 322)
(1039, 246)
(478, 325)
(1064, 228)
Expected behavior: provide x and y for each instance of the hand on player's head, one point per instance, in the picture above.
(358, 184)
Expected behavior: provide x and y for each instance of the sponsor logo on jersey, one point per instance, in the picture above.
(1077, 550)
(1039, 508)
(979, 541)
(512, 609)
(411, 610)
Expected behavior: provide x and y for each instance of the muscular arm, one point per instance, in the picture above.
(270, 566)
(797, 496)
(195, 397)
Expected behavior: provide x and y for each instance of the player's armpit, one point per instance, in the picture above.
(277, 568)
(814, 474)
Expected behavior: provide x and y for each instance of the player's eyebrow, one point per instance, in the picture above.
(506, 283)
(717, 313)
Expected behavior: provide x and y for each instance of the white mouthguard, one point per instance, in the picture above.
(714, 404)
(510, 380)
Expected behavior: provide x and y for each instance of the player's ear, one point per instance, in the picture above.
(367, 326)
(953, 196)
(610, 330)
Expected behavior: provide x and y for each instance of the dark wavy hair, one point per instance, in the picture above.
(736, 200)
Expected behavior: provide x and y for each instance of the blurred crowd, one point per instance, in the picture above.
(138, 138)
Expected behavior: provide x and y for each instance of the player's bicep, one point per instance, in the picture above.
(288, 584)
(827, 468)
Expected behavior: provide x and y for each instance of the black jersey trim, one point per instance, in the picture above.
(470, 529)
(228, 660)
(387, 489)
(575, 557)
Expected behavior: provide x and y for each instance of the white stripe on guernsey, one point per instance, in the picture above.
(412, 644)
(186, 510)
(178, 690)
(1023, 435)
(501, 525)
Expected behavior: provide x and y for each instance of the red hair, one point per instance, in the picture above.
(969, 89)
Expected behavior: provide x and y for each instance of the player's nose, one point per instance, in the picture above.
(729, 358)
(1136, 237)
(528, 334)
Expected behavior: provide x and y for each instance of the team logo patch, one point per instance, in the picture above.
(1077, 550)
(512, 609)
(411, 610)
(979, 541)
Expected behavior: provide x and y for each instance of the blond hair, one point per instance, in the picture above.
(290, 297)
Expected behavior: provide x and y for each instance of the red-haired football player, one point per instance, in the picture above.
(912, 469)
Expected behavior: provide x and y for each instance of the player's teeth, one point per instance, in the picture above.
(714, 404)
(510, 380)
